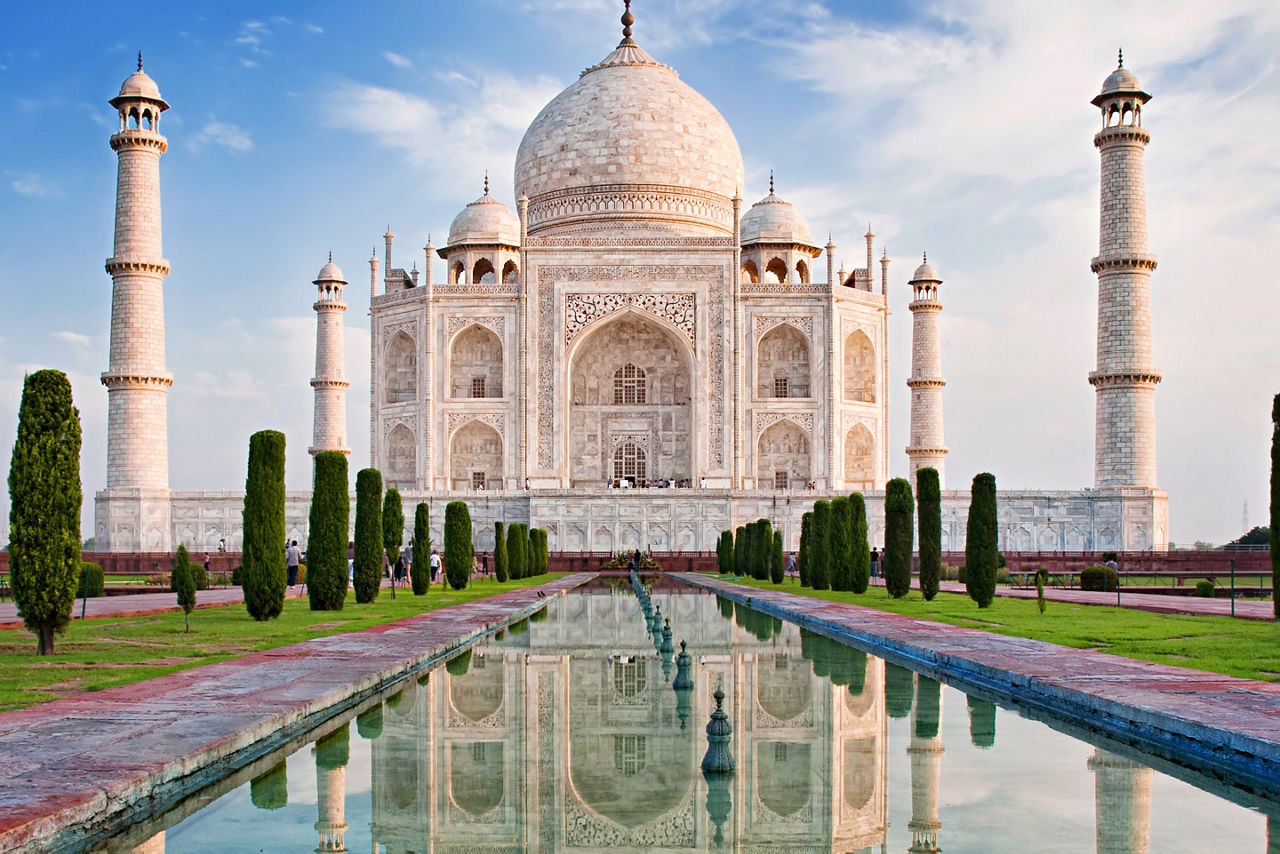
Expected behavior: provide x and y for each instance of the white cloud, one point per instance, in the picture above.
(396, 59)
(75, 338)
(315, 29)
(33, 186)
(229, 136)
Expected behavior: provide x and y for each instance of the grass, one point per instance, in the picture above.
(105, 652)
(1246, 648)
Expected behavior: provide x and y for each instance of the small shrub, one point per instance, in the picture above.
(1042, 575)
(200, 575)
(962, 574)
(1099, 578)
(184, 584)
(160, 579)
(1206, 589)
(236, 575)
(96, 580)
(302, 573)
(1106, 556)
(1002, 576)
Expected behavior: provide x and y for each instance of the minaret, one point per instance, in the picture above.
(330, 381)
(925, 752)
(926, 382)
(136, 378)
(1125, 380)
(1122, 804)
(884, 368)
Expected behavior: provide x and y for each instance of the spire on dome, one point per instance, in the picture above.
(771, 182)
(627, 20)
(139, 60)
(486, 182)
(1119, 61)
(330, 256)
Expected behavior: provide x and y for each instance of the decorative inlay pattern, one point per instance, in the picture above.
(581, 310)
(640, 440)
(788, 288)
(602, 240)
(804, 420)
(457, 324)
(497, 420)
(409, 327)
(587, 829)
(410, 421)
(763, 323)
(489, 289)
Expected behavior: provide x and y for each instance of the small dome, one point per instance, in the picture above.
(1121, 80)
(485, 221)
(140, 85)
(925, 273)
(771, 220)
(330, 273)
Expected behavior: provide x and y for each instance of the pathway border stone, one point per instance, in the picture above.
(74, 772)
(1220, 725)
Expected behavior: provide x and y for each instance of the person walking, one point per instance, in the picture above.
(435, 564)
(292, 556)
(875, 563)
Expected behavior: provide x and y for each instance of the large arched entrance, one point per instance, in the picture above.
(630, 406)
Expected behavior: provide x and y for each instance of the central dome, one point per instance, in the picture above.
(629, 145)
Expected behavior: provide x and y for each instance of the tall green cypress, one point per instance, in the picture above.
(806, 548)
(500, 552)
(929, 498)
(392, 525)
(1275, 503)
(898, 537)
(841, 543)
(860, 561)
(777, 566)
(458, 552)
(981, 543)
(327, 533)
(724, 552)
(762, 548)
(44, 506)
(421, 569)
(515, 552)
(820, 563)
(262, 570)
(538, 551)
(740, 551)
(368, 565)
(184, 584)
(526, 546)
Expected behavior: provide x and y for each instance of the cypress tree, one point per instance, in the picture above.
(929, 498)
(421, 569)
(981, 544)
(740, 551)
(368, 564)
(1275, 503)
(820, 535)
(515, 552)
(724, 552)
(526, 547)
(499, 552)
(538, 551)
(982, 722)
(841, 543)
(270, 791)
(928, 707)
(898, 537)
(262, 573)
(44, 506)
(778, 567)
(333, 751)
(327, 533)
(392, 526)
(458, 552)
(899, 690)
(763, 549)
(860, 560)
(184, 584)
(806, 548)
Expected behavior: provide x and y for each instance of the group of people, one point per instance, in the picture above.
(792, 563)
(645, 483)
(399, 571)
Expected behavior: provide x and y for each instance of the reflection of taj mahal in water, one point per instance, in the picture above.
(634, 321)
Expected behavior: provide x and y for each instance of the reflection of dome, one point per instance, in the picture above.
(771, 220)
(485, 221)
(330, 273)
(630, 141)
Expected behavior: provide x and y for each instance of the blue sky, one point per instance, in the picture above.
(959, 127)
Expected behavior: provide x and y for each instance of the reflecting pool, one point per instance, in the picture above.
(564, 733)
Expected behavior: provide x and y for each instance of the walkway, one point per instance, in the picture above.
(1228, 726)
(74, 769)
(1247, 609)
(139, 603)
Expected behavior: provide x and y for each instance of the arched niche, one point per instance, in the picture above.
(775, 272)
(786, 692)
(861, 771)
(783, 776)
(479, 692)
(782, 363)
(630, 380)
(483, 273)
(859, 368)
(457, 273)
(859, 457)
(802, 272)
(476, 776)
(750, 272)
(400, 369)
(510, 273)
(402, 455)
(475, 457)
(475, 363)
(782, 458)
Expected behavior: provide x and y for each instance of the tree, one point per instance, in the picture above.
(421, 569)
(184, 584)
(930, 521)
(368, 564)
(392, 526)
(806, 548)
(740, 551)
(761, 549)
(980, 547)
(820, 535)
(778, 567)
(262, 573)
(898, 537)
(841, 543)
(540, 556)
(526, 546)
(458, 552)
(860, 569)
(724, 552)
(1275, 503)
(515, 551)
(44, 506)
(499, 552)
(1259, 535)
(327, 533)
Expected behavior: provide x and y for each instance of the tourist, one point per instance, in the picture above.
(484, 563)
(206, 567)
(875, 562)
(222, 544)
(435, 564)
(291, 557)
(791, 564)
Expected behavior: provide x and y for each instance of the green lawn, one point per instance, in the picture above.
(1246, 648)
(102, 653)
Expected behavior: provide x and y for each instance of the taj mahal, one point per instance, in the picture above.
(632, 355)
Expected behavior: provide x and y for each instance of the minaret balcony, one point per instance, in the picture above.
(1123, 261)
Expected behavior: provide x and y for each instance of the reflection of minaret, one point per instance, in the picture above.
(1122, 803)
(925, 751)
(331, 754)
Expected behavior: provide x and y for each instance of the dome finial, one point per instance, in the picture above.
(139, 60)
(1120, 60)
(486, 182)
(330, 256)
(627, 20)
(926, 258)
(771, 182)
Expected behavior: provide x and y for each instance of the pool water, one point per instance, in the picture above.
(563, 733)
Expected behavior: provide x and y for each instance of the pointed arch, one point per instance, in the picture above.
(775, 271)
(400, 369)
(510, 273)
(750, 272)
(859, 458)
(859, 368)
(476, 776)
(483, 272)
(802, 272)
(457, 273)
(475, 457)
(782, 363)
(475, 363)
(402, 457)
(783, 457)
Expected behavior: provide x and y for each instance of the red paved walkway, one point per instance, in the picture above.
(1248, 609)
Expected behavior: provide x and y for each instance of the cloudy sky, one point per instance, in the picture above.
(960, 127)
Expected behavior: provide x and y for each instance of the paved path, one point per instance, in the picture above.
(1227, 726)
(1248, 609)
(74, 769)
